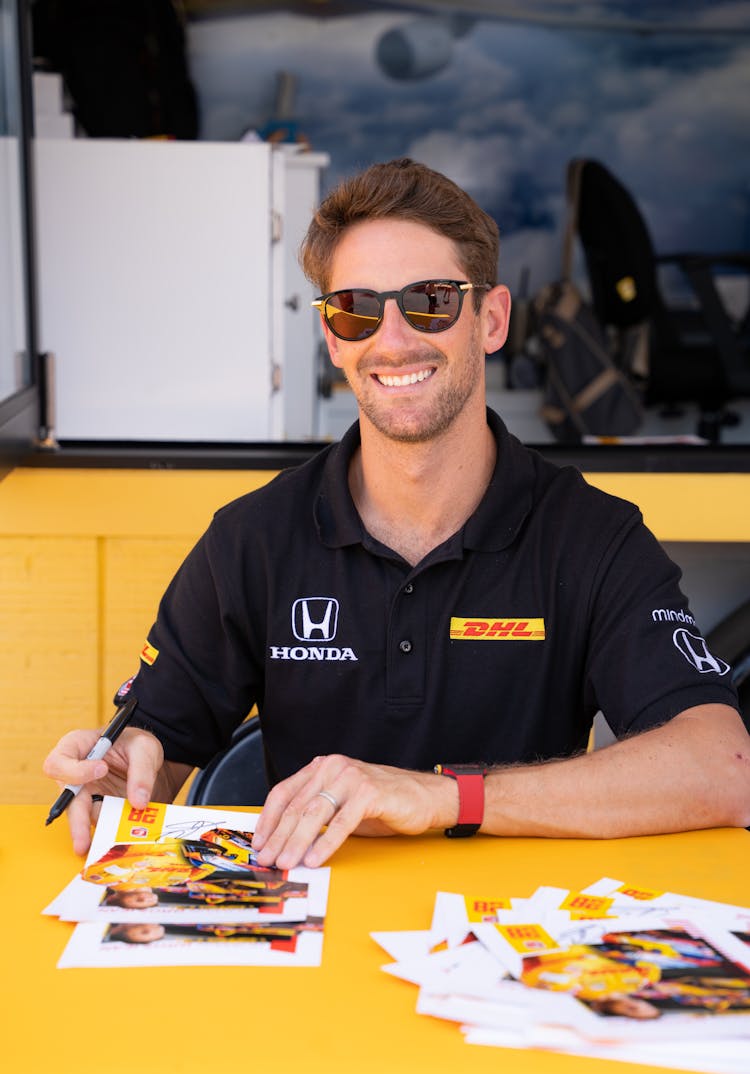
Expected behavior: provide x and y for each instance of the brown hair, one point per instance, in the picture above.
(404, 190)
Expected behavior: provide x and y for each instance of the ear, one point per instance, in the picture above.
(332, 342)
(496, 314)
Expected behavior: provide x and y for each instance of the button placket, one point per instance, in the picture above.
(406, 632)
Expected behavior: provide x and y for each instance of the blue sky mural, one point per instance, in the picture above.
(502, 102)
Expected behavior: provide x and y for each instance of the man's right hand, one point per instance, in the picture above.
(134, 769)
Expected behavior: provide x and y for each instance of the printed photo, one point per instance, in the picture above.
(641, 975)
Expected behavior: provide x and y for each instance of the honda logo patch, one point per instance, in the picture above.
(695, 651)
(315, 618)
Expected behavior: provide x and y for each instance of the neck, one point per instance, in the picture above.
(414, 496)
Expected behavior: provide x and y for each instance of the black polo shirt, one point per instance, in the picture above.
(552, 602)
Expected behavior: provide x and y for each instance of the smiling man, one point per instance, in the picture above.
(418, 379)
(428, 615)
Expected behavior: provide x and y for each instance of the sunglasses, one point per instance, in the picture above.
(429, 306)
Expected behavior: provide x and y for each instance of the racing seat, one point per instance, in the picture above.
(695, 353)
(237, 775)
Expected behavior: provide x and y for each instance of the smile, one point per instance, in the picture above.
(391, 381)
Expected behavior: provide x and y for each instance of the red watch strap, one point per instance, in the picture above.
(470, 780)
(470, 799)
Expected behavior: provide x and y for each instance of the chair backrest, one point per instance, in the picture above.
(684, 351)
(616, 244)
(237, 775)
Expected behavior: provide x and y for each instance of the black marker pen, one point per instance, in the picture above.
(102, 746)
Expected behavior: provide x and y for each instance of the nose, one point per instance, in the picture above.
(394, 328)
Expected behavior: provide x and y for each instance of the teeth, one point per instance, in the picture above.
(407, 378)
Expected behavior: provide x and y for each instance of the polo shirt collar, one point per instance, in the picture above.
(336, 516)
(493, 526)
(509, 496)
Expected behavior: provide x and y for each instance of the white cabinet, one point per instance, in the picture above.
(169, 290)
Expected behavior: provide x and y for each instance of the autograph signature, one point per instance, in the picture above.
(184, 829)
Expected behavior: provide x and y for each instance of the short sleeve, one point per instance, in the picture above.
(647, 658)
(200, 678)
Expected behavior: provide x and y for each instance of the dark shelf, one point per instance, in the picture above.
(157, 455)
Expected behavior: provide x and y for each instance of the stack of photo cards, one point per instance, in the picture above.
(615, 971)
(173, 885)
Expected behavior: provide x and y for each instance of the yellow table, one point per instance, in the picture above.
(346, 1015)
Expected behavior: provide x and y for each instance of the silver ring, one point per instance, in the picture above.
(329, 798)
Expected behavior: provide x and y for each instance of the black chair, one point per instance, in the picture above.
(730, 639)
(698, 354)
(237, 775)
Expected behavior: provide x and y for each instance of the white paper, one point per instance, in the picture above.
(614, 971)
(180, 885)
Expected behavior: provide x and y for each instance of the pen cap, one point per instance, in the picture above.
(123, 691)
(120, 719)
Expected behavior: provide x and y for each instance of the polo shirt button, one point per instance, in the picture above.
(409, 587)
(405, 646)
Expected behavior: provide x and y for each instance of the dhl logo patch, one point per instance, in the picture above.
(476, 629)
(136, 824)
(527, 939)
(644, 894)
(581, 907)
(484, 909)
(149, 654)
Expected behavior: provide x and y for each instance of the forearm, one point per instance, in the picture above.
(693, 772)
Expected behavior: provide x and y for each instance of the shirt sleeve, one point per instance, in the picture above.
(200, 677)
(647, 658)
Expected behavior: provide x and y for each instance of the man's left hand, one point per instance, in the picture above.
(343, 796)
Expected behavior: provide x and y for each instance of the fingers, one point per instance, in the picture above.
(332, 793)
(67, 761)
(82, 815)
(146, 758)
(130, 768)
(346, 819)
(308, 816)
(278, 800)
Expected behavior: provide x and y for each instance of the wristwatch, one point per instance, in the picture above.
(470, 780)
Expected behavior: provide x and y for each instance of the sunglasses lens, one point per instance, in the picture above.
(353, 315)
(432, 306)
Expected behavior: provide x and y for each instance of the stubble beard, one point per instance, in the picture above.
(434, 418)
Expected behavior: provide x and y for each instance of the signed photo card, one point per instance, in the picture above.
(278, 943)
(187, 865)
(180, 885)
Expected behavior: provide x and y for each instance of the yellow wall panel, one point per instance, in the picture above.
(48, 654)
(165, 503)
(135, 503)
(686, 507)
(135, 573)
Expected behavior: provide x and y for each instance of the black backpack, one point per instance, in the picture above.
(590, 381)
(585, 393)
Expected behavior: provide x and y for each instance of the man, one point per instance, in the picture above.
(428, 592)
